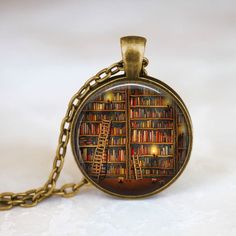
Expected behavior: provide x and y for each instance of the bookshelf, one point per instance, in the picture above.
(152, 133)
(144, 123)
(113, 106)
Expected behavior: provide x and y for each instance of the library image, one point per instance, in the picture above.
(131, 139)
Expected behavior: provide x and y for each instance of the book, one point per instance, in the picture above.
(151, 136)
(152, 124)
(147, 101)
(95, 128)
(157, 163)
(157, 136)
(97, 106)
(160, 150)
(151, 113)
(90, 116)
(92, 140)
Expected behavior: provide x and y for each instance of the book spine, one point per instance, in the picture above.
(151, 136)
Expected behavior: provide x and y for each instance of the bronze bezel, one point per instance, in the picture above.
(144, 79)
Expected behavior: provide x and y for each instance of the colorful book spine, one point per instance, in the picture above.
(156, 136)
(94, 140)
(87, 154)
(116, 155)
(113, 155)
(152, 124)
(114, 169)
(89, 116)
(156, 172)
(96, 106)
(151, 113)
(147, 101)
(160, 150)
(158, 163)
(117, 141)
(116, 96)
(118, 131)
(94, 129)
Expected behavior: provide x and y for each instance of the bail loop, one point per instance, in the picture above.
(132, 49)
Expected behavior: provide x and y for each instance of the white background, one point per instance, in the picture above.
(48, 49)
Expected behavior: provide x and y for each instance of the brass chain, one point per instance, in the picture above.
(32, 197)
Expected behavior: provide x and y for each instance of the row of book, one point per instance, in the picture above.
(112, 96)
(114, 116)
(152, 124)
(156, 172)
(112, 155)
(118, 130)
(93, 141)
(87, 154)
(105, 106)
(115, 169)
(95, 128)
(151, 113)
(143, 91)
(88, 141)
(117, 141)
(158, 150)
(155, 136)
(111, 169)
(115, 155)
(160, 163)
(147, 101)
(92, 129)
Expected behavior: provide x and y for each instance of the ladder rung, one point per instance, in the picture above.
(97, 165)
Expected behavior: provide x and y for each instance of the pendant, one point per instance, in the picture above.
(132, 134)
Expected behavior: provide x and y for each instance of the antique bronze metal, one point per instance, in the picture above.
(132, 126)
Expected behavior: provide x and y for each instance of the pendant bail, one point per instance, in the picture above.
(132, 49)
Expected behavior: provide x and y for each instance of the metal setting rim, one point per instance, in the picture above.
(149, 80)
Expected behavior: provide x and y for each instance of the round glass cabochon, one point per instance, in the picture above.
(131, 139)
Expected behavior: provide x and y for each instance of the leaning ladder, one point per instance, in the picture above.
(100, 149)
(137, 167)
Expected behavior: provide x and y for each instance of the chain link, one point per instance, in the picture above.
(32, 197)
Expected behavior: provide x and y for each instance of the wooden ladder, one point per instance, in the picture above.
(137, 167)
(100, 149)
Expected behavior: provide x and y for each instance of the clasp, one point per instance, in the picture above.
(132, 49)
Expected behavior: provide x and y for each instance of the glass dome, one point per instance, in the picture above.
(132, 139)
